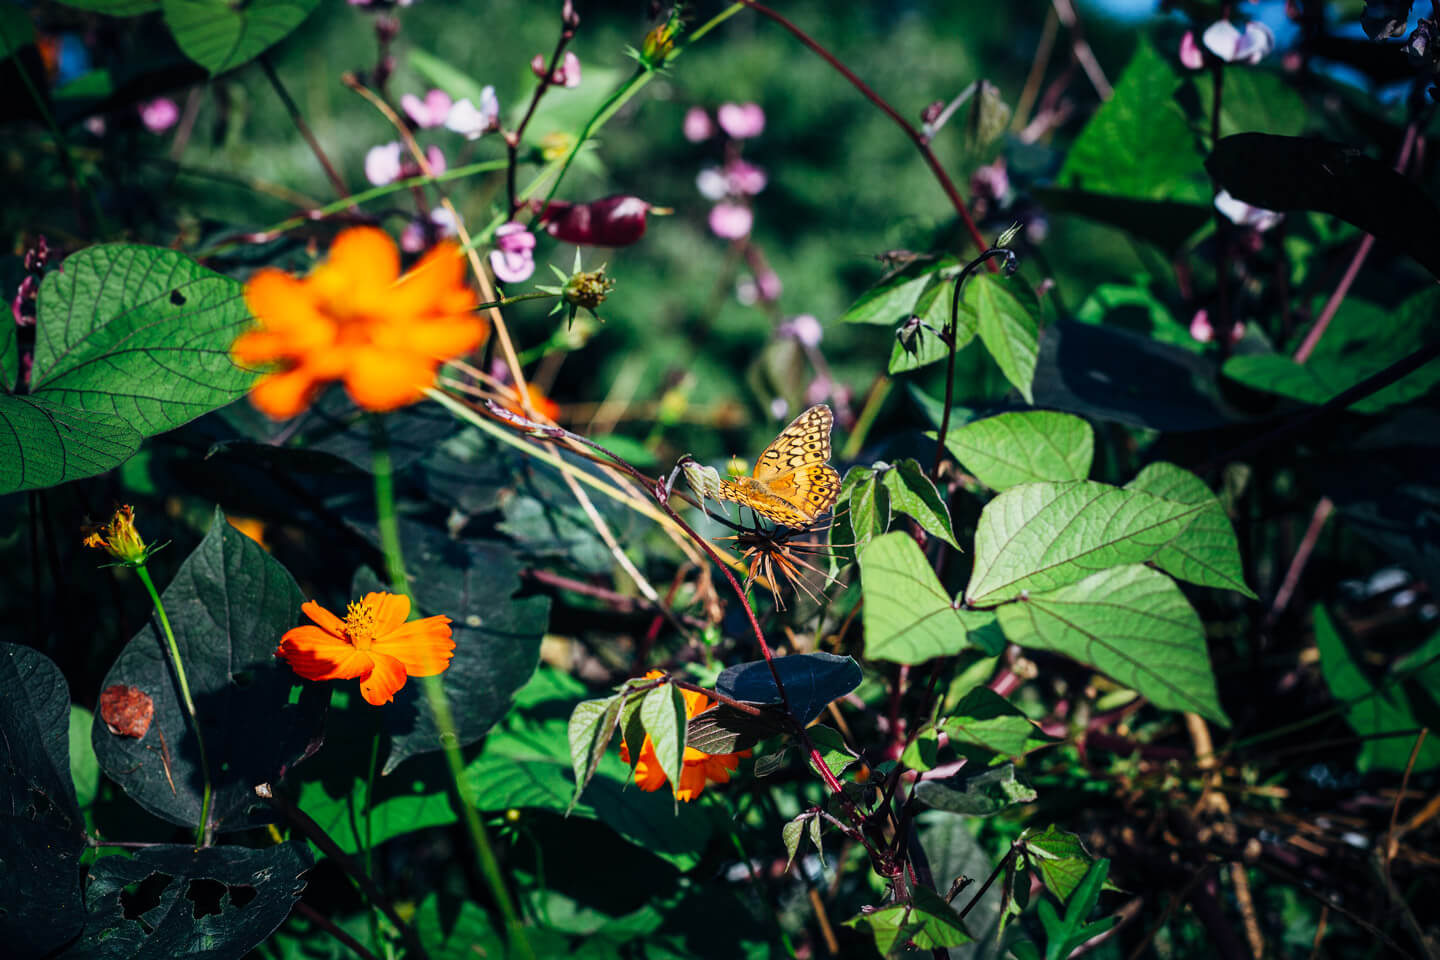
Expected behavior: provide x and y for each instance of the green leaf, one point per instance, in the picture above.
(229, 604)
(1130, 622)
(1062, 936)
(221, 36)
(837, 755)
(908, 617)
(84, 768)
(1138, 144)
(724, 729)
(986, 720)
(16, 30)
(869, 511)
(923, 752)
(258, 890)
(497, 637)
(912, 494)
(592, 724)
(1039, 536)
(662, 712)
(982, 795)
(793, 834)
(454, 81)
(1259, 101)
(141, 333)
(811, 681)
(772, 763)
(1008, 325)
(467, 934)
(892, 302)
(1060, 859)
(1024, 447)
(43, 443)
(933, 309)
(1362, 340)
(42, 832)
(927, 921)
(1206, 553)
(116, 8)
(1371, 711)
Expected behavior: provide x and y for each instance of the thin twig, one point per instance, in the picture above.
(1081, 47)
(568, 20)
(299, 120)
(1389, 853)
(326, 924)
(1323, 509)
(1036, 76)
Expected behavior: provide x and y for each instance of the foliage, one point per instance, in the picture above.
(1125, 599)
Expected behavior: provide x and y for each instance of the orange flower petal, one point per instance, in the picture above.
(692, 782)
(432, 283)
(447, 337)
(317, 655)
(379, 381)
(384, 681)
(390, 610)
(423, 646)
(366, 255)
(326, 620)
(283, 395)
(278, 300)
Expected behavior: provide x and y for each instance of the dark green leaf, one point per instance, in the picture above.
(772, 763)
(811, 681)
(892, 302)
(16, 30)
(986, 720)
(908, 617)
(41, 830)
(43, 443)
(793, 834)
(1206, 553)
(1008, 324)
(1059, 857)
(220, 36)
(724, 729)
(1024, 447)
(259, 889)
(116, 8)
(927, 921)
(982, 795)
(468, 934)
(1040, 536)
(1294, 173)
(497, 637)
(591, 726)
(912, 494)
(869, 511)
(1130, 622)
(139, 332)
(1167, 223)
(228, 604)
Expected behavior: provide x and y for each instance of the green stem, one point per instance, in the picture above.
(434, 688)
(370, 804)
(506, 301)
(203, 830)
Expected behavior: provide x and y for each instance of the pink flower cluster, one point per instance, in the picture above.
(729, 187)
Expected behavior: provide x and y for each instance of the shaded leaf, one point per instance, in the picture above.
(1206, 553)
(869, 511)
(927, 921)
(772, 763)
(793, 834)
(116, 8)
(1130, 622)
(912, 494)
(221, 36)
(259, 889)
(662, 713)
(229, 604)
(43, 443)
(592, 724)
(1024, 447)
(141, 333)
(908, 617)
(1296, 173)
(41, 830)
(811, 681)
(981, 795)
(723, 729)
(1040, 536)
(1169, 224)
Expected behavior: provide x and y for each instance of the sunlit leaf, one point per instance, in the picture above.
(1024, 447)
(1008, 324)
(927, 920)
(912, 494)
(1039, 536)
(1206, 553)
(663, 714)
(1130, 622)
(986, 720)
(908, 617)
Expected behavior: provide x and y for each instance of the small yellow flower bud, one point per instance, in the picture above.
(119, 538)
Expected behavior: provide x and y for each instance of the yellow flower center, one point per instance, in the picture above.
(360, 625)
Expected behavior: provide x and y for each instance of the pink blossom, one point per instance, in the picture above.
(804, 328)
(731, 220)
(1230, 44)
(697, 125)
(430, 112)
(1243, 214)
(712, 183)
(414, 237)
(744, 178)
(768, 285)
(818, 391)
(991, 182)
(159, 115)
(741, 121)
(513, 258)
(436, 159)
(1191, 56)
(566, 75)
(382, 164)
(470, 121)
(1202, 330)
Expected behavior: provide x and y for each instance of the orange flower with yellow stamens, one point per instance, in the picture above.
(356, 319)
(700, 767)
(373, 643)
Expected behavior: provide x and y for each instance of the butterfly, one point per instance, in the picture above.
(792, 484)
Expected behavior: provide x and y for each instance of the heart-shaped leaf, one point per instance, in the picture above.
(221, 36)
(1206, 553)
(908, 617)
(1026, 446)
(44, 443)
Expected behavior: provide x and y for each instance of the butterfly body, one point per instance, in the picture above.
(791, 484)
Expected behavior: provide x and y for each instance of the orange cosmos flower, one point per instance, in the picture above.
(356, 319)
(373, 643)
(700, 768)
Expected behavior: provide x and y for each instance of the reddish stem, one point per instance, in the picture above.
(916, 137)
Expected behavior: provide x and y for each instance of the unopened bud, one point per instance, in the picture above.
(614, 221)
